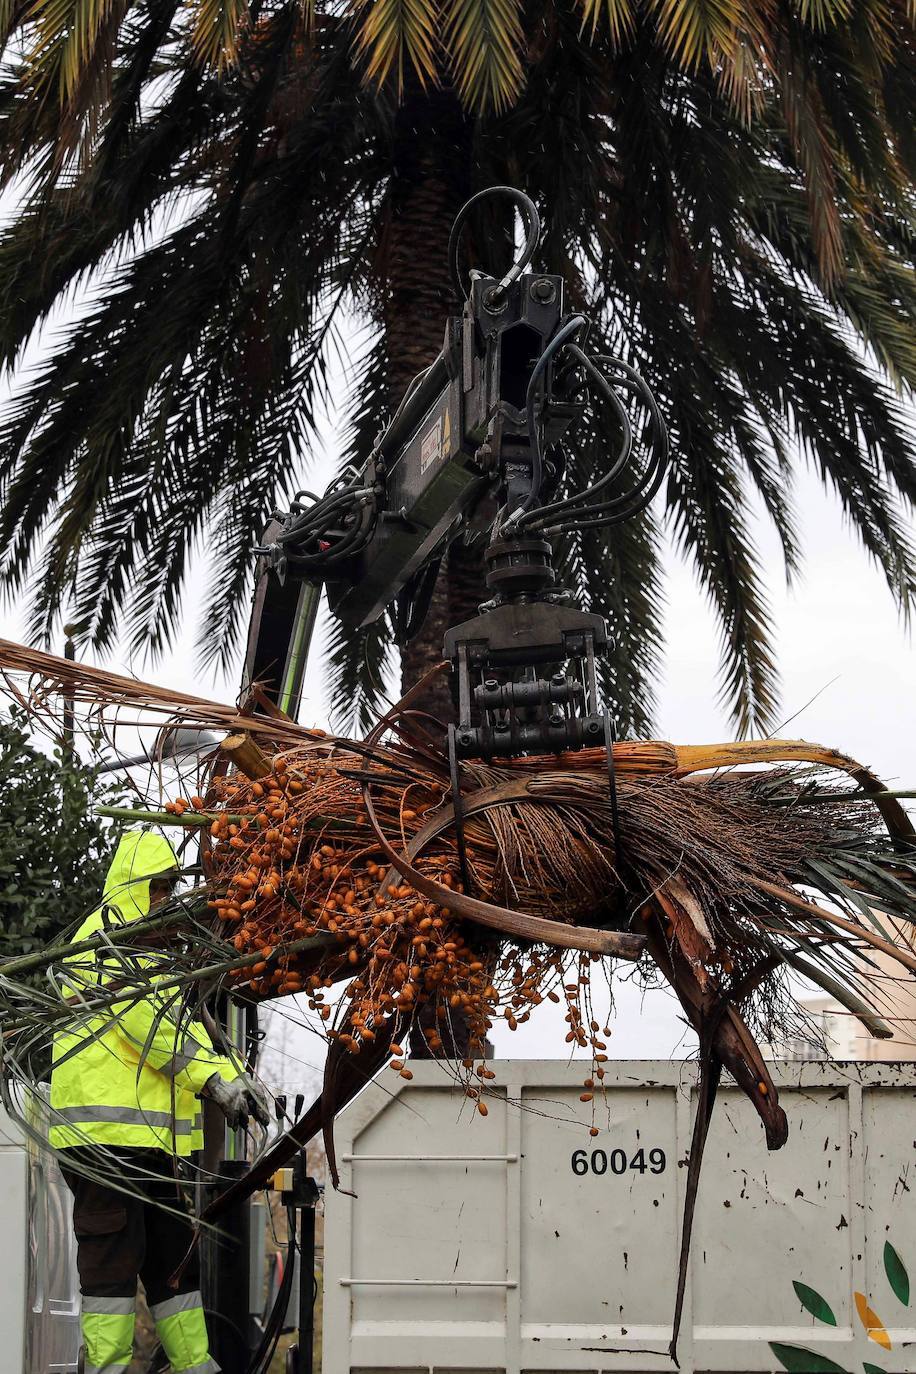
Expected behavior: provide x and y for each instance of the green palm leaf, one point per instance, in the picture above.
(216, 30)
(810, 136)
(822, 13)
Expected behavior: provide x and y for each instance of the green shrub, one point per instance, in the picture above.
(54, 852)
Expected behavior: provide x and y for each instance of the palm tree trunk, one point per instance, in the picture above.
(432, 181)
(432, 158)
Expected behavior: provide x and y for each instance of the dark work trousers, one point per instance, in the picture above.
(120, 1236)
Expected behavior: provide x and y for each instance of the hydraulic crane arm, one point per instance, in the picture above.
(476, 445)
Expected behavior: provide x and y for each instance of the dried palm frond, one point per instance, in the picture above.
(48, 679)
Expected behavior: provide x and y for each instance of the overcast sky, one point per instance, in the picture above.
(849, 675)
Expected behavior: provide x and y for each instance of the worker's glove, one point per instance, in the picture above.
(237, 1100)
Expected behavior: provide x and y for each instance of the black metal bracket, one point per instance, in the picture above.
(610, 735)
(458, 807)
(526, 666)
(301, 1198)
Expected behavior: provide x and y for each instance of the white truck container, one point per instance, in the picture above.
(518, 1242)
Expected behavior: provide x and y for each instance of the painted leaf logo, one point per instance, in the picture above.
(897, 1276)
(872, 1322)
(796, 1359)
(813, 1302)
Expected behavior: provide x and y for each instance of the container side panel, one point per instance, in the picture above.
(436, 1226)
(599, 1214)
(767, 1220)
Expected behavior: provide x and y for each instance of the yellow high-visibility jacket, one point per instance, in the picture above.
(129, 1075)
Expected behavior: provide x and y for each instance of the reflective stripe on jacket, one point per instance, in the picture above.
(129, 1075)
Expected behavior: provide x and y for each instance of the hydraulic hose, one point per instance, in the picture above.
(531, 220)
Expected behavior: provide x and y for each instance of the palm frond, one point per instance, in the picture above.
(696, 31)
(484, 40)
(217, 24)
(617, 14)
(707, 502)
(397, 36)
(359, 663)
(618, 574)
(821, 14)
(810, 136)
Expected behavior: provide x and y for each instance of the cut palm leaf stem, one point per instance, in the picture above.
(705, 1003)
(188, 818)
(707, 1090)
(724, 1041)
(116, 935)
(701, 758)
(245, 754)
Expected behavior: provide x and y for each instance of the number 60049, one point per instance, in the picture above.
(618, 1161)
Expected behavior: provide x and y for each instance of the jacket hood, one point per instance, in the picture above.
(140, 856)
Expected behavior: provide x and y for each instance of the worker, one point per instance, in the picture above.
(128, 1078)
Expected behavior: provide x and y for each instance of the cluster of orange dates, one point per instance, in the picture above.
(293, 856)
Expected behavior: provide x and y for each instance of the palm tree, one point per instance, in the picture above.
(727, 185)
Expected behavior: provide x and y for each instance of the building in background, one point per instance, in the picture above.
(834, 1029)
